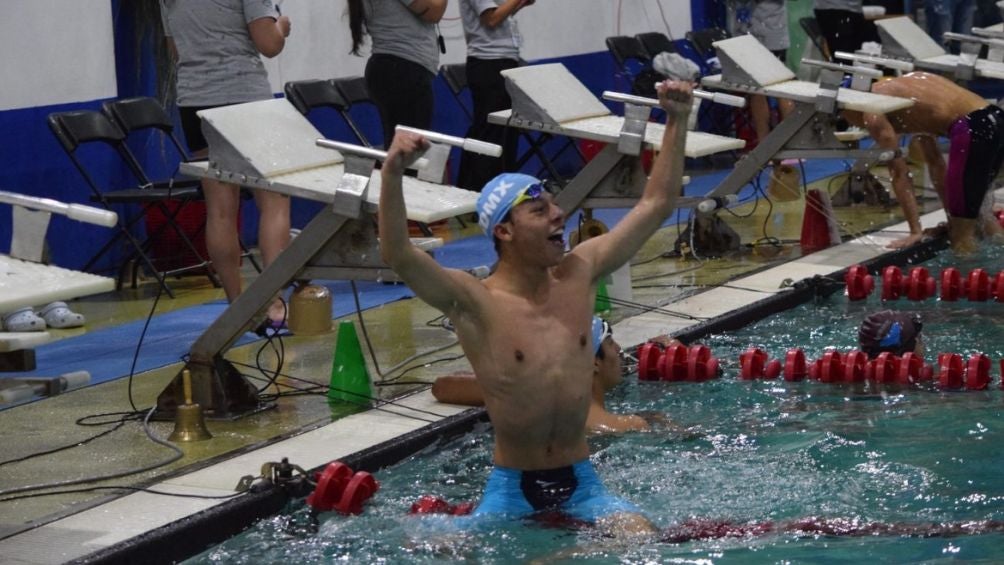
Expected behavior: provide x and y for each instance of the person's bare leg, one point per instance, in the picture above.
(962, 235)
(222, 204)
(935, 164)
(760, 114)
(273, 235)
(625, 525)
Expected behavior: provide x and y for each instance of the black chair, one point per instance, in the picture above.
(143, 113)
(354, 91)
(702, 42)
(84, 127)
(815, 34)
(455, 77)
(654, 42)
(634, 63)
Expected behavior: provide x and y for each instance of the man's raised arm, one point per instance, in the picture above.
(444, 289)
(610, 251)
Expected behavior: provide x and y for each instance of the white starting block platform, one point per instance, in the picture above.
(903, 38)
(809, 130)
(549, 99)
(269, 145)
(558, 103)
(24, 283)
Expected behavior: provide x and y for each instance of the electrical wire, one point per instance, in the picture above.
(178, 454)
(120, 488)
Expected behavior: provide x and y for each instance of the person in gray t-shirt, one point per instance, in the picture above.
(767, 21)
(493, 43)
(216, 45)
(404, 59)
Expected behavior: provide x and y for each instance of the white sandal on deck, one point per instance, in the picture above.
(23, 320)
(59, 315)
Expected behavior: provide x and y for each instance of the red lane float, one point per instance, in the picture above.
(795, 368)
(918, 284)
(950, 371)
(338, 488)
(859, 283)
(676, 363)
(429, 504)
(978, 372)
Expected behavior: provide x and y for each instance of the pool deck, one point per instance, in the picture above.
(308, 431)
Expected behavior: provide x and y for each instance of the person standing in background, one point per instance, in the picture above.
(767, 21)
(493, 43)
(216, 47)
(404, 58)
(842, 23)
(949, 15)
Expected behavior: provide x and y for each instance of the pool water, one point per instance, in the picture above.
(760, 451)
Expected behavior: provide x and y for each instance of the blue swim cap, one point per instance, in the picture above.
(893, 338)
(601, 331)
(498, 196)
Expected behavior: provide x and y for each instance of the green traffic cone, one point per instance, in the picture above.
(350, 382)
(602, 303)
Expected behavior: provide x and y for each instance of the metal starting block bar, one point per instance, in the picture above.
(549, 99)
(269, 145)
(26, 281)
(808, 132)
(903, 38)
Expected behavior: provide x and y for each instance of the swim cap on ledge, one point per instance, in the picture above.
(895, 332)
(498, 196)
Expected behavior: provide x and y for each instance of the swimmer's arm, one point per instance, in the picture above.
(458, 388)
(448, 290)
(885, 136)
(608, 252)
(430, 11)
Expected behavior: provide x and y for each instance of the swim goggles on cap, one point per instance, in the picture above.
(532, 192)
(893, 338)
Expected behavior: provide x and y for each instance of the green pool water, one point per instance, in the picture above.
(760, 451)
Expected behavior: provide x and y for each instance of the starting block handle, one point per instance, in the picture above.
(716, 97)
(863, 71)
(78, 212)
(894, 64)
(368, 152)
(465, 143)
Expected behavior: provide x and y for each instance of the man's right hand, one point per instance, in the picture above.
(404, 150)
(676, 97)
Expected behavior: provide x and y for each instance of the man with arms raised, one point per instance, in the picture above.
(526, 328)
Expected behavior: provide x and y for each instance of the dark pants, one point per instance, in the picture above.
(402, 92)
(845, 30)
(489, 95)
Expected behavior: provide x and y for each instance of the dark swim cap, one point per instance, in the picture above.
(895, 332)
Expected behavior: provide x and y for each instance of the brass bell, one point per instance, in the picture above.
(588, 229)
(310, 310)
(189, 423)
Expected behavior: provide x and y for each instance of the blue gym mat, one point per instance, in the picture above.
(107, 353)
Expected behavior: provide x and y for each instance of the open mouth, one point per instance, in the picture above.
(557, 239)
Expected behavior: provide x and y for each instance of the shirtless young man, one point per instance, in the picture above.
(976, 132)
(463, 388)
(526, 328)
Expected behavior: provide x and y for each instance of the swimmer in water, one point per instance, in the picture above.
(975, 129)
(526, 329)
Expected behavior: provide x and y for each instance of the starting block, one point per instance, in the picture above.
(269, 145)
(549, 99)
(25, 281)
(902, 38)
(809, 130)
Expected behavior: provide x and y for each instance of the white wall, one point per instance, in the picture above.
(60, 51)
(56, 51)
(318, 46)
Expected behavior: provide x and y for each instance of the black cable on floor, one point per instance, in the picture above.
(121, 487)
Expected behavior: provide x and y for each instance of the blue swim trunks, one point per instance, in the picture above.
(575, 491)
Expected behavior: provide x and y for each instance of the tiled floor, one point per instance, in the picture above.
(397, 330)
